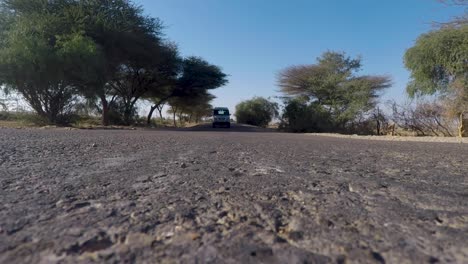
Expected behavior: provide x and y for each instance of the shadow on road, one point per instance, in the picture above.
(234, 128)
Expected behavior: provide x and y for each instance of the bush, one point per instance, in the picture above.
(5, 116)
(87, 121)
(301, 117)
(424, 118)
(116, 114)
(26, 118)
(257, 112)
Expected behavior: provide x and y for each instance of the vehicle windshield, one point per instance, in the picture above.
(221, 112)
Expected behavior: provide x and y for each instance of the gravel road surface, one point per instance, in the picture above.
(229, 196)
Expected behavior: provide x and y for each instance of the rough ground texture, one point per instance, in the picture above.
(202, 196)
(398, 138)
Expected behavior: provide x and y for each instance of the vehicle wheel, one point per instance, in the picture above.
(213, 126)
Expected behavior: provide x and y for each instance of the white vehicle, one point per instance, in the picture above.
(221, 117)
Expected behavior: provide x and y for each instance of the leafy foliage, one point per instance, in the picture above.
(257, 111)
(438, 64)
(333, 86)
(195, 78)
(191, 109)
(39, 58)
(54, 52)
(300, 116)
(438, 61)
(141, 75)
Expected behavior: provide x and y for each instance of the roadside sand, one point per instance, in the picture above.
(397, 138)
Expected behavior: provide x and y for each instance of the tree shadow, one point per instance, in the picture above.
(206, 127)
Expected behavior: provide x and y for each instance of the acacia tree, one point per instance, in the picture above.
(197, 105)
(40, 55)
(79, 48)
(196, 77)
(159, 98)
(333, 84)
(199, 111)
(438, 65)
(132, 48)
(151, 70)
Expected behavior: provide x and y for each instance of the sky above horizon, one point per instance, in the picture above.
(252, 40)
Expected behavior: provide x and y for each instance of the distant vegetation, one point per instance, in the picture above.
(257, 111)
(74, 61)
(103, 54)
(328, 96)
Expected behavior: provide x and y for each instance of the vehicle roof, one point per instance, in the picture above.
(220, 108)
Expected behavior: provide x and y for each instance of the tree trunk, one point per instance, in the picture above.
(148, 120)
(377, 116)
(462, 126)
(105, 111)
(160, 113)
(174, 118)
(378, 127)
(159, 106)
(127, 116)
(179, 115)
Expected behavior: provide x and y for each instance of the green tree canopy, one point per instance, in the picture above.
(197, 73)
(191, 108)
(136, 57)
(40, 56)
(302, 116)
(141, 75)
(333, 84)
(106, 49)
(196, 77)
(438, 63)
(257, 111)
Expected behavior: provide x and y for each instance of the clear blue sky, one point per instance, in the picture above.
(252, 40)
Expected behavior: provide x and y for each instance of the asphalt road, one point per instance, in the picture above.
(229, 196)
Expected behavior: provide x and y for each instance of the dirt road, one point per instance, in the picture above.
(229, 196)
